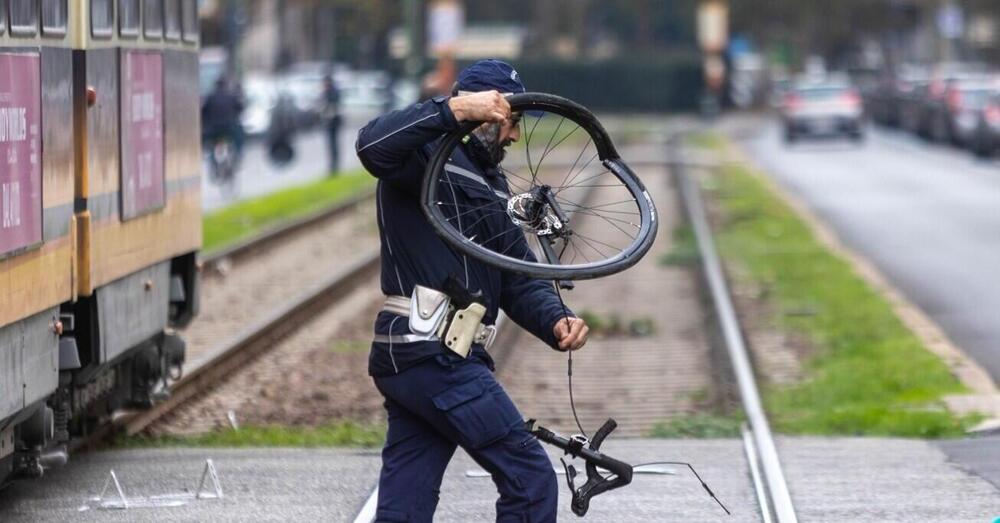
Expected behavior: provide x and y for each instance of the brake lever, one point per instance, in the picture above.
(621, 472)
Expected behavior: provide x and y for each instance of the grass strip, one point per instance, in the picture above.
(866, 374)
(340, 434)
(699, 426)
(244, 219)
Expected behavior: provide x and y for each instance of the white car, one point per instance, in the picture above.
(822, 108)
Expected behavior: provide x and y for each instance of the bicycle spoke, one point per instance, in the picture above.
(599, 242)
(469, 210)
(484, 216)
(527, 145)
(546, 152)
(575, 205)
(585, 241)
(587, 179)
(584, 168)
(577, 161)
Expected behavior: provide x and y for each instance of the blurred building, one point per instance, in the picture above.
(272, 34)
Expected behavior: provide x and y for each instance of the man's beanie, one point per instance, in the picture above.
(485, 75)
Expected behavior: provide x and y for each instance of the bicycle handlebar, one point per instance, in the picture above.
(596, 483)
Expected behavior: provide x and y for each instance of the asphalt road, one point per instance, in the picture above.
(928, 216)
(258, 175)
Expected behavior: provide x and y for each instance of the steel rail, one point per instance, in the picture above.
(257, 339)
(774, 478)
(270, 235)
(221, 360)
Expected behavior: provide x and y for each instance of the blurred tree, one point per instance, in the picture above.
(353, 31)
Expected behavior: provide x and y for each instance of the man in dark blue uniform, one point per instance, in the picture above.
(437, 399)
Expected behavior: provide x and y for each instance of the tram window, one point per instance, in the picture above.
(102, 18)
(55, 15)
(24, 17)
(152, 14)
(172, 19)
(128, 18)
(189, 20)
(3, 18)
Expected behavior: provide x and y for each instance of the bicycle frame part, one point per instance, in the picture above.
(621, 472)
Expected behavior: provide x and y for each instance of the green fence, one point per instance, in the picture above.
(660, 85)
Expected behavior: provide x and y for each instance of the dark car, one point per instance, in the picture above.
(986, 137)
(923, 108)
(822, 108)
(953, 118)
(887, 101)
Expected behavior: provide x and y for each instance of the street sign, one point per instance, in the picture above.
(20, 151)
(142, 181)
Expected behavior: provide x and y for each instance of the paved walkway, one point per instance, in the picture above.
(832, 479)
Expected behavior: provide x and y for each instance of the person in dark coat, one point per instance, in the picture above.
(437, 400)
(220, 115)
(332, 120)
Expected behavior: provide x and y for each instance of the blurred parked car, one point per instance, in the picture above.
(953, 117)
(306, 91)
(365, 91)
(822, 108)
(923, 107)
(260, 95)
(888, 101)
(986, 137)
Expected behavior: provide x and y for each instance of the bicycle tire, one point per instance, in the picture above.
(609, 157)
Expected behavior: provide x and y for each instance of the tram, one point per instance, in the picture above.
(100, 216)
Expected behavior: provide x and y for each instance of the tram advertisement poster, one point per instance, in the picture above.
(20, 151)
(142, 187)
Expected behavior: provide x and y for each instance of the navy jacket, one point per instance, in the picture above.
(395, 148)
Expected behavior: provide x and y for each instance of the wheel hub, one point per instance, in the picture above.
(533, 212)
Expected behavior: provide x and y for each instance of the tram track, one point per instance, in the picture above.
(268, 238)
(767, 475)
(215, 363)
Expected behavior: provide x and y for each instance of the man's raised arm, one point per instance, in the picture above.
(387, 145)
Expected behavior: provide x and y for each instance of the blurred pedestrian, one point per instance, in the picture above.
(281, 132)
(220, 115)
(437, 396)
(331, 121)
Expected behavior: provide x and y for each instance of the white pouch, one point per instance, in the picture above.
(428, 310)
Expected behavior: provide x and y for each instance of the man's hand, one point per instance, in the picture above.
(487, 106)
(571, 333)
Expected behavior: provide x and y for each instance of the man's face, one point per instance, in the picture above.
(498, 136)
(510, 130)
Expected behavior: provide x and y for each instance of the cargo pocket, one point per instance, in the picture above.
(475, 413)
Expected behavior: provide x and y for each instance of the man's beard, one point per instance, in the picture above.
(489, 136)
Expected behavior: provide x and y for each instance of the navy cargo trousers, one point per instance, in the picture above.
(444, 402)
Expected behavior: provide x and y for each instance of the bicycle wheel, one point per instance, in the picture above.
(562, 206)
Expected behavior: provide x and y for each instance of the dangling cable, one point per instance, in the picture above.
(688, 465)
(569, 363)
